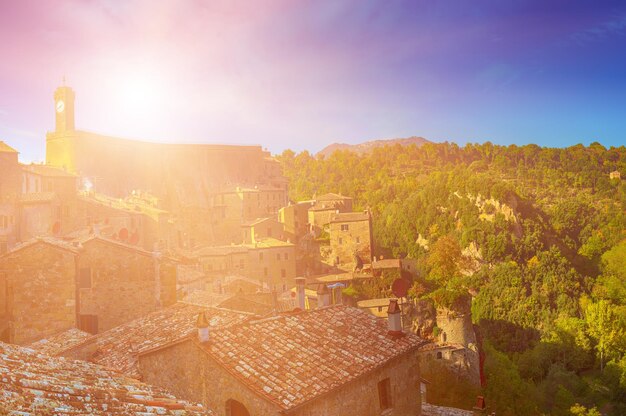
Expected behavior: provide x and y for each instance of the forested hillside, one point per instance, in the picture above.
(537, 236)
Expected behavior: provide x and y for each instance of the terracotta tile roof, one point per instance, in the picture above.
(218, 251)
(187, 273)
(34, 383)
(432, 410)
(256, 221)
(234, 279)
(117, 348)
(349, 217)
(45, 170)
(332, 197)
(269, 242)
(293, 358)
(58, 343)
(387, 264)
(342, 277)
(373, 303)
(205, 298)
(256, 303)
(35, 197)
(6, 148)
(54, 242)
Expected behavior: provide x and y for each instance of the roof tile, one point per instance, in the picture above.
(35, 383)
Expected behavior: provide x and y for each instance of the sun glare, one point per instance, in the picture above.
(140, 94)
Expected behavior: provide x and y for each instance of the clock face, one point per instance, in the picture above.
(60, 106)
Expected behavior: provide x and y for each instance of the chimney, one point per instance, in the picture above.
(323, 296)
(394, 316)
(481, 406)
(203, 327)
(300, 294)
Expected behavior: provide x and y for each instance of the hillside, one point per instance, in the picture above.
(367, 147)
(535, 236)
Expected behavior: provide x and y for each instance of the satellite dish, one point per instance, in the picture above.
(400, 287)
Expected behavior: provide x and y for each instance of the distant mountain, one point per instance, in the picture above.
(367, 147)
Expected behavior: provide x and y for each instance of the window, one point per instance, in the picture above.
(286, 256)
(242, 264)
(84, 278)
(261, 256)
(283, 273)
(265, 271)
(384, 394)
(340, 241)
(439, 355)
(345, 227)
(278, 256)
(358, 240)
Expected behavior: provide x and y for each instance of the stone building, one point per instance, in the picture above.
(330, 361)
(269, 261)
(319, 215)
(37, 384)
(37, 290)
(48, 285)
(615, 175)
(295, 219)
(131, 220)
(394, 267)
(350, 236)
(180, 175)
(262, 228)
(118, 283)
(9, 192)
(118, 347)
(48, 202)
(235, 207)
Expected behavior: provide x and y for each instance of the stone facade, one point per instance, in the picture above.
(119, 283)
(262, 228)
(350, 235)
(324, 207)
(48, 285)
(236, 207)
(48, 202)
(295, 219)
(200, 378)
(270, 261)
(39, 291)
(131, 220)
(189, 373)
(178, 174)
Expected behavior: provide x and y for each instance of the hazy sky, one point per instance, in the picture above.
(303, 74)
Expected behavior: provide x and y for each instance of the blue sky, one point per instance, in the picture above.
(304, 74)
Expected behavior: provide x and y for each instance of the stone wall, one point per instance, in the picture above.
(274, 266)
(41, 291)
(346, 243)
(360, 397)
(192, 374)
(188, 372)
(123, 284)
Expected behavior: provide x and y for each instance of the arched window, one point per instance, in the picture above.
(235, 408)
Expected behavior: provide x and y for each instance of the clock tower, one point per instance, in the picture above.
(64, 108)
